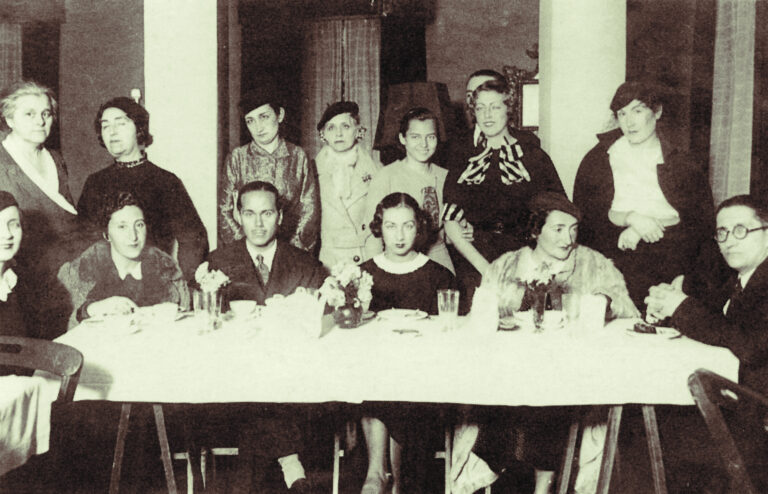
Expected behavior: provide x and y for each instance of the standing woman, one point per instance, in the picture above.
(416, 176)
(645, 204)
(38, 179)
(344, 170)
(491, 179)
(270, 158)
(122, 127)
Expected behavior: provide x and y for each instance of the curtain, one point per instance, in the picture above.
(10, 54)
(732, 99)
(341, 63)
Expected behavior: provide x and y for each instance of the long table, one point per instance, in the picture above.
(250, 361)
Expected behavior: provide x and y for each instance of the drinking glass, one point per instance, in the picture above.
(207, 306)
(448, 307)
(572, 308)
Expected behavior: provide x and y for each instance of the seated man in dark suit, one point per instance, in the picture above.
(734, 312)
(259, 266)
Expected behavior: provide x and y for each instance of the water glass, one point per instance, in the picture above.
(207, 306)
(572, 308)
(448, 307)
(593, 308)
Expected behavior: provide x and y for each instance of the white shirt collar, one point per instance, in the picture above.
(392, 267)
(7, 282)
(744, 278)
(268, 254)
(135, 271)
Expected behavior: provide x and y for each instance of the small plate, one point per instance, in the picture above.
(510, 323)
(661, 331)
(402, 315)
(368, 315)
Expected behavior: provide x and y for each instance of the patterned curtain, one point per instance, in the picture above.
(10, 54)
(732, 99)
(341, 63)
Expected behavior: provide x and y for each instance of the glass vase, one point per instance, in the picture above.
(348, 316)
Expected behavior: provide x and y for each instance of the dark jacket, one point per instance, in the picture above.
(744, 329)
(167, 207)
(291, 268)
(682, 182)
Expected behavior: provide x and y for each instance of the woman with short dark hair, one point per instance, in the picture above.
(122, 127)
(645, 204)
(121, 272)
(417, 175)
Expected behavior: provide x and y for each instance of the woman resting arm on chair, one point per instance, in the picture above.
(120, 273)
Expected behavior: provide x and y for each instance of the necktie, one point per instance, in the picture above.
(735, 293)
(263, 269)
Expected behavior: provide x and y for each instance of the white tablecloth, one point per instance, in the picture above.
(247, 362)
(24, 420)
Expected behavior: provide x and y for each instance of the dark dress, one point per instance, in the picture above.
(416, 427)
(50, 238)
(11, 324)
(168, 209)
(685, 187)
(496, 204)
(414, 290)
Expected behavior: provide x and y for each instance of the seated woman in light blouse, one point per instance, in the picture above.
(553, 252)
(120, 273)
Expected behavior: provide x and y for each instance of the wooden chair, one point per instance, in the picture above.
(737, 419)
(35, 354)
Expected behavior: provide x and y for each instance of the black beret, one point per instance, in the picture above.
(337, 109)
(553, 201)
(264, 94)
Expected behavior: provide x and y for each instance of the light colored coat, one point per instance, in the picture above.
(343, 225)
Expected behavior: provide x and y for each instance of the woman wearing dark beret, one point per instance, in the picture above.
(344, 169)
(646, 205)
(270, 158)
(122, 127)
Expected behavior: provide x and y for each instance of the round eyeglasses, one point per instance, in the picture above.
(739, 232)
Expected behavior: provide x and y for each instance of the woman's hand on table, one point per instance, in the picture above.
(663, 300)
(111, 306)
(650, 229)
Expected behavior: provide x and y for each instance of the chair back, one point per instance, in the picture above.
(737, 419)
(35, 354)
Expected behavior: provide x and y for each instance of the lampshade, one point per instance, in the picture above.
(403, 97)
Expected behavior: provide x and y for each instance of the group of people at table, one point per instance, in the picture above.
(493, 215)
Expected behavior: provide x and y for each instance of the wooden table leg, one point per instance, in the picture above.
(654, 449)
(117, 461)
(609, 450)
(165, 450)
(570, 456)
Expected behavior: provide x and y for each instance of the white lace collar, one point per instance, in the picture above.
(400, 267)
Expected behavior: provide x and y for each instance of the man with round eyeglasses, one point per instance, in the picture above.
(733, 314)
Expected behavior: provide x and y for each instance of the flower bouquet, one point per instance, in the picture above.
(208, 299)
(348, 291)
(540, 295)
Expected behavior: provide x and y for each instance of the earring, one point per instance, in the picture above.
(322, 138)
(361, 133)
(104, 234)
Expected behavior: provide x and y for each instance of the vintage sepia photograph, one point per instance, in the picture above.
(384, 246)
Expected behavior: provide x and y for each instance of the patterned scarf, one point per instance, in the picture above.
(510, 163)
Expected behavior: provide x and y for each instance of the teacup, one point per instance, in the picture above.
(242, 308)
